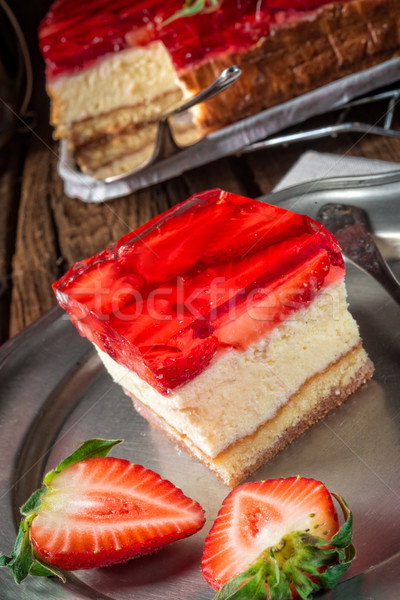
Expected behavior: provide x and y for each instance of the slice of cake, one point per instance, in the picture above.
(226, 321)
(113, 67)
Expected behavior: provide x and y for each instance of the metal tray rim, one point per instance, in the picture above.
(53, 317)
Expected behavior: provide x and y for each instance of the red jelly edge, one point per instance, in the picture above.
(218, 271)
(75, 34)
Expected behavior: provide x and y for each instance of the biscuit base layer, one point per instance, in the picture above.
(320, 394)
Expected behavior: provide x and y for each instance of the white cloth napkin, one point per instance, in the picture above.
(316, 165)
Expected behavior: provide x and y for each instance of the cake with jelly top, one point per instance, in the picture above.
(113, 67)
(226, 321)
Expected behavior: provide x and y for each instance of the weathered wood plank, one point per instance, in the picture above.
(270, 165)
(10, 160)
(34, 265)
(383, 148)
(220, 174)
(84, 228)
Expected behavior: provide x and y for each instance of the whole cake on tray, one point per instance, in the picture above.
(114, 67)
(226, 321)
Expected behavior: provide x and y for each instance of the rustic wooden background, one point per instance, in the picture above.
(43, 232)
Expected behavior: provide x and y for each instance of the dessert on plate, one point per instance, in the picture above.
(225, 319)
(113, 67)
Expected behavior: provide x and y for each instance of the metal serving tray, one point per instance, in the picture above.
(54, 394)
(231, 139)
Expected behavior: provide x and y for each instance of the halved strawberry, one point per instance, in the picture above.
(97, 511)
(277, 539)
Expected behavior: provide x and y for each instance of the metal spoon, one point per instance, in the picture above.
(350, 225)
(165, 144)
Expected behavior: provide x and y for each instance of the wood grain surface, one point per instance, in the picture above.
(43, 232)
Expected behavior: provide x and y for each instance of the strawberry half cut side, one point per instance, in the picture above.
(277, 540)
(96, 511)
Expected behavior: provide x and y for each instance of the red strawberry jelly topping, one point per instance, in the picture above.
(214, 272)
(75, 34)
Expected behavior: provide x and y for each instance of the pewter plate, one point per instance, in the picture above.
(54, 394)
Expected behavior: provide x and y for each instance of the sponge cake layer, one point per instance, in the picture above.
(243, 389)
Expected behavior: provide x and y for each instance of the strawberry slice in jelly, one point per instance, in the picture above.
(75, 34)
(190, 354)
(172, 246)
(102, 290)
(214, 272)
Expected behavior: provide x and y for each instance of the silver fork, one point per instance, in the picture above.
(350, 226)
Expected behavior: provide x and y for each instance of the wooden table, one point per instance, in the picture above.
(43, 232)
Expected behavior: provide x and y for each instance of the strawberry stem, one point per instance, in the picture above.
(300, 560)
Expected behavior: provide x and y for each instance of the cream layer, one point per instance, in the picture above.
(242, 389)
(119, 80)
(319, 395)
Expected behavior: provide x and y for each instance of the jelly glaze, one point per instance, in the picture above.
(74, 34)
(218, 271)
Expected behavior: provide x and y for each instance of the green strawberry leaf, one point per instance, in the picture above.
(253, 587)
(21, 556)
(229, 588)
(311, 557)
(192, 7)
(303, 584)
(278, 582)
(34, 502)
(89, 449)
(40, 569)
(281, 590)
(330, 578)
(343, 537)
